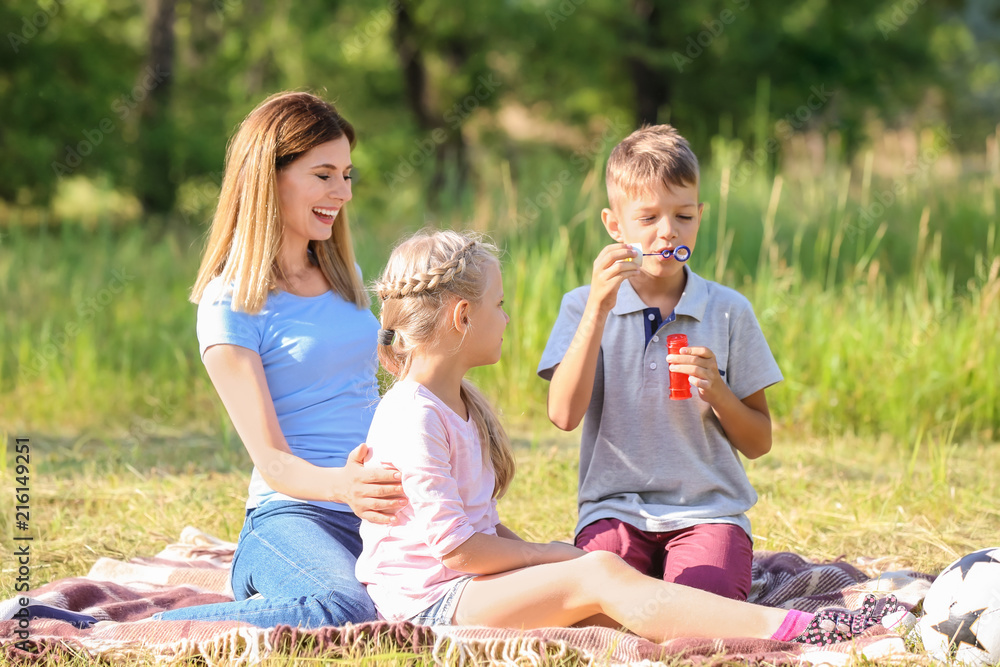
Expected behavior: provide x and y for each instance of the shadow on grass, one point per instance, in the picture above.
(90, 455)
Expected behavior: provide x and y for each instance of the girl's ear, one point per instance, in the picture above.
(460, 315)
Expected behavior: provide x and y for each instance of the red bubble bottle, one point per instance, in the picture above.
(680, 387)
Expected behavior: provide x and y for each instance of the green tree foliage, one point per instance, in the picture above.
(66, 80)
(90, 89)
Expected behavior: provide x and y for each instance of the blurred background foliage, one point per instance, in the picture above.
(140, 98)
(850, 170)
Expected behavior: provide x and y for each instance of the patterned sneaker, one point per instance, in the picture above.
(833, 625)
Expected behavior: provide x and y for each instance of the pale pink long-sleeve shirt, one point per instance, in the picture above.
(449, 484)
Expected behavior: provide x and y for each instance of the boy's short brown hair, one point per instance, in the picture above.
(651, 156)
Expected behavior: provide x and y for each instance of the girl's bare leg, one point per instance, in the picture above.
(561, 594)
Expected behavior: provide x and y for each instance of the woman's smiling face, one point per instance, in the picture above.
(312, 189)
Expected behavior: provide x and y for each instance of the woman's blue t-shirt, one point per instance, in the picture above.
(319, 360)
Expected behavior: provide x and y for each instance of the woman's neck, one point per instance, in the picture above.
(297, 274)
(293, 259)
(442, 373)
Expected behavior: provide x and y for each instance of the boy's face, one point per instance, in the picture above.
(658, 218)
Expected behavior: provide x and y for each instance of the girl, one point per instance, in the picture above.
(447, 559)
(288, 340)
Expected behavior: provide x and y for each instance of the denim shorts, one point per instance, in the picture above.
(442, 612)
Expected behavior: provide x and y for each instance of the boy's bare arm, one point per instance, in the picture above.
(573, 379)
(747, 423)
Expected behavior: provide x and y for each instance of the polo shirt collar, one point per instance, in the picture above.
(693, 301)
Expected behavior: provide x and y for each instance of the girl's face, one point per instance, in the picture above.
(487, 321)
(312, 190)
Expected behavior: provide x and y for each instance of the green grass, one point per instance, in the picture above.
(885, 328)
(823, 498)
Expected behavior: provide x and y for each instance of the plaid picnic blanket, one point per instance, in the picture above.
(122, 596)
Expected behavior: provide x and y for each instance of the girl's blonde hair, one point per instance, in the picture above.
(424, 276)
(246, 231)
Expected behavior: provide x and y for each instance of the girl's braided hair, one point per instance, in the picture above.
(429, 280)
(426, 274)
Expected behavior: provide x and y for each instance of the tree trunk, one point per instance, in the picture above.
(156, 188)
(407, 42)
(406, 38)
(652, 86)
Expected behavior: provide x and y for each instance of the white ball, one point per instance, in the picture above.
(961, 619)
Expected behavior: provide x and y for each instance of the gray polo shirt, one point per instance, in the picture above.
(657, 464)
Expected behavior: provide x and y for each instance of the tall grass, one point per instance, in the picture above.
(882, 324)
(886, 331)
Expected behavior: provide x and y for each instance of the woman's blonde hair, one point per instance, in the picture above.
(424, 276)
(246, 231)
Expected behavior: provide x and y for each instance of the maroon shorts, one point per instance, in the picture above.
(714, 557)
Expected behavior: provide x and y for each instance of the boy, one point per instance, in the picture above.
(661, 482)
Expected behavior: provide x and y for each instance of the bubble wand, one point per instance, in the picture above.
(681, 253)
(680, 384)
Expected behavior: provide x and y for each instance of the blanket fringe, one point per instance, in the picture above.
(242, 646)
(522, 650)
(237, 647)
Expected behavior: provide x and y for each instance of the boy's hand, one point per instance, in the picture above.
(700, 364)
(609, 272)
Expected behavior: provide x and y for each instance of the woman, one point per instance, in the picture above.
(289, 344)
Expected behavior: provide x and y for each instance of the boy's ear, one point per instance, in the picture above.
(612, 224)
(460, 315)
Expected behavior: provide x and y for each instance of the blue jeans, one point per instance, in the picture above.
(442, 612)
(294, 565)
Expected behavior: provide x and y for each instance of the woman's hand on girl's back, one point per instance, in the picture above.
(374, 494)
